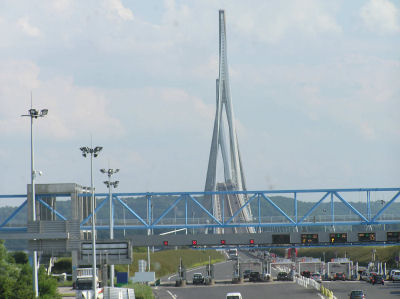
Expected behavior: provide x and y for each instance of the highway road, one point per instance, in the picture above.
(223, 272)
(341, 289)
(276, 290)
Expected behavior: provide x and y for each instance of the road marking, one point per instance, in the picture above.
(169, 278)
(172, 295)
(320, 296)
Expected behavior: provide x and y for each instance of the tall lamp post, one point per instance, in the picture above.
(34, 114)
(110, 184)
(93, 152)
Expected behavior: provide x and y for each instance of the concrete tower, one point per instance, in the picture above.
(232, 165)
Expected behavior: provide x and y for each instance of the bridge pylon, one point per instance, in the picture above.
(234, 178)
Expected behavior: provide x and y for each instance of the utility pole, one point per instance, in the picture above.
(93, 152)
(110, 184)
(34, 114)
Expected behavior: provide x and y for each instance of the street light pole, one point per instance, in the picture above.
(94, 152)
(33, 113)
(110, 184)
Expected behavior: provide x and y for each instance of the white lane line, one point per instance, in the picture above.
(172, 295)
(321, 296)
(169, 278)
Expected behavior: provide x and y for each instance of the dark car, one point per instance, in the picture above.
(306, 274)
(282, 276)
(357, 294)
(339, 276)
(254, 276)
(198, 278)
(246, 274)
(377, 279)
(371, 276)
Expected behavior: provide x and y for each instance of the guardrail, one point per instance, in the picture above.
(311, 283)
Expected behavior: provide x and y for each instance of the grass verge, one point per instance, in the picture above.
(166, 261)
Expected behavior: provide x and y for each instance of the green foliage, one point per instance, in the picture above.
(166, 261)
(16, 278)
(361, 254)
(63, 265)
(142, 291)
(20, 257)
(47, 285)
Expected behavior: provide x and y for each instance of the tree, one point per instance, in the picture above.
(16, 278)
(47, 285)
(20, 257)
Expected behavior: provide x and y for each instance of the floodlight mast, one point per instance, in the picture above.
(94, 152)
(34, 113)
(110, 184)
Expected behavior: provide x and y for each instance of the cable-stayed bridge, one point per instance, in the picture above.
(225, 214)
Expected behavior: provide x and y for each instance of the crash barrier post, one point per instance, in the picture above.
(327, 292)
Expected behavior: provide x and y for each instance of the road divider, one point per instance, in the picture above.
(327, 292)
(311, 283)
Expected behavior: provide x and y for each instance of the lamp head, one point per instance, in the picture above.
(84, 150)
(33, 113)
(44, 112)
(102, 170)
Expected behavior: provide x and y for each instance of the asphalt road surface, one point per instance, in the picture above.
(276, 290)
(341, 289)
(223, 272)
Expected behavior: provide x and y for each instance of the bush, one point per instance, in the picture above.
(63, 265)
(16, 278)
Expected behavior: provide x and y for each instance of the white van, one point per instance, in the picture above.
(234, 296)
(395, 275)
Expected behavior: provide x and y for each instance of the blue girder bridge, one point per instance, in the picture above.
(272, 209)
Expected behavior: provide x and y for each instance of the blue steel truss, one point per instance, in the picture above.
(182, 200)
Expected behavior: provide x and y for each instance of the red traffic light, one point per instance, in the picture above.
(251, 241)
(194, 242)
(223, 242)
(165, 243)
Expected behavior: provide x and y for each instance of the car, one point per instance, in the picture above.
(282, 276)
(255, 276)
(339, 276)
(357, 294)
(198, 278)
(234, 296)
(370, 276)
(246, 274)
(316, 277)
(364, 275)
(306, 274)
(377, 279)
(395, 275)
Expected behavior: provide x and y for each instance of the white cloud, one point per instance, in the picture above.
(27, 28)
(381, 16)
(170, 109)
(73, 110)
(117, 8)
(271, 21)
(61, 5)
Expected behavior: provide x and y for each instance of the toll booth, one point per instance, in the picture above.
(209, 278)
(237, 276)
(181, 275)
(340, 265)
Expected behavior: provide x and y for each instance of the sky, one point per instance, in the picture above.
(315, 87)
